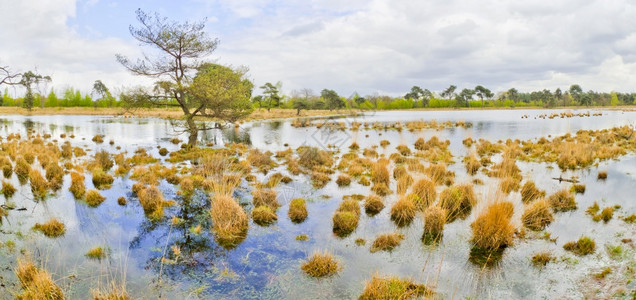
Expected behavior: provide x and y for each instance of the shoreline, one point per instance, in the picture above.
(260, 114)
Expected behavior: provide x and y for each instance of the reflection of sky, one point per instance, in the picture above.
(267, 261)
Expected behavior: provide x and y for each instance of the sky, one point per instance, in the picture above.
(368, 47)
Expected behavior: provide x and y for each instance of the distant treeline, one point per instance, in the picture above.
(329, 99)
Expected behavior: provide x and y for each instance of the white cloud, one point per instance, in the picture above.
(364, 46)
(37, 36)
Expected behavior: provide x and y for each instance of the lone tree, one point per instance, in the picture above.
(483, 93)
(449, 93)
(31, 80)
(271, 94)
(332, 99)
(179, 50)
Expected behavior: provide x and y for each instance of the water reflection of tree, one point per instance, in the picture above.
(198, 248)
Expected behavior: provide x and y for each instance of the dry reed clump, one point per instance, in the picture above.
(98, 139)
(297, 210)
(114, 292)
(472, 164)
(537, 216)
(319, 179)
(54, 175)
(122, 201)
(8, 190)
(163, 151)
(508, 185)
(403, 211)
(439, 174)
(425, 191)
(265, 197)
(29, 157)
(394, 288)
(458, 201)
(404, 150)
(602, 175)
(373, 205)
(94, 198)
(345, 219)
(381, 189)
(77, 185)
(606, 214)
(434, 221)
(36, 283)
(6, 166)
(263, 215)
(103, 160)
(21, 169)
(52, 228)
(541, 259)
(387, 242)
(530, 192)
(152, 201)
(97, 253)
(380, 174)
(492, 230)
(384, 143)
(230, 222)
(321, 265)
(311, 157)
(404, 183)
(101, 179)
(562, 201)
(39, 185)
(343, 180)
(578, 188)
(583, 246)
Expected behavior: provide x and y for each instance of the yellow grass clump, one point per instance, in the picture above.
(266, 197)
(321, 265)
(94, 198)
(434, 221)
(77, 185)
(263, 215)
(583, 246)
(345, 219)
(343, 180)
(394, 288)
(458, 201)
(387, 242)
(151, 199)
(403, 211)
(39, 185)
(97, 253)
(472, 164)
(36, 283)
(297, 210)
(8, 190)
(492, 230)
(230, 222)
(537, 216)
(52, 228)
(425, 190)
(562, 200)
(54, 175)
(21, 169)
(602, 175)
(530, 192)
(373, 205)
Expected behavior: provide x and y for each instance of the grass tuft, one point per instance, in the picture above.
(373, 205)
(492, 230)
(36, 283)
(393, 288)
(387, 242)
(537, 216)
(562, 201)
(263, 215)
(583, 246)
(297, 210)
(52, 228)
(321, 265)
(94, 198)
(403, 211)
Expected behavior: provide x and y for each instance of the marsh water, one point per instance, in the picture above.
(266, 265)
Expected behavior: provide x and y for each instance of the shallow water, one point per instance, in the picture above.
(267, 263)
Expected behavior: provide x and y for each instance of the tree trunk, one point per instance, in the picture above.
(298, 112)
(193, 130)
